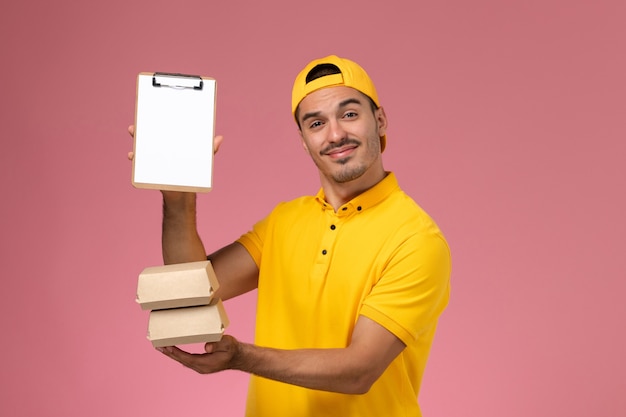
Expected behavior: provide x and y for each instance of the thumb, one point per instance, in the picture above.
(217, 142)
(209, 347)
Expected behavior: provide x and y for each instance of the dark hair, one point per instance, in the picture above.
(323, 70)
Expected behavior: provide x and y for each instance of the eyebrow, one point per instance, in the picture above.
(342, 104)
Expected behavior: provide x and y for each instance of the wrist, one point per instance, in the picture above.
(237, 361)
(174, 198)
(177, 204)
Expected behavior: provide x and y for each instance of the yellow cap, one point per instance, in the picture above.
(351, 75)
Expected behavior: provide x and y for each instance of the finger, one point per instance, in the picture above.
(173, 352)
(217, 142)
(225, 348)
(131, 131)
(177, 354)
(193, 361)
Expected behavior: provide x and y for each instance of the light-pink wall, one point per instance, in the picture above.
(507, 123)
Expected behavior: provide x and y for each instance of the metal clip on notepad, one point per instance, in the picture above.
(178, 81)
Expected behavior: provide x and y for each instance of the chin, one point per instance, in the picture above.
(349, 174)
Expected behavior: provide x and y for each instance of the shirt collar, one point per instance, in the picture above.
(365, 200)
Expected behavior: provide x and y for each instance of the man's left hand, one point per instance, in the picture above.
(218, 357)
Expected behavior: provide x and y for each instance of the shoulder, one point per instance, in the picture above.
(401, 208)
(298, 206)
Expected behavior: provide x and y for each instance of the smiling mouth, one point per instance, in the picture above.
(341, 152)
(341, 149)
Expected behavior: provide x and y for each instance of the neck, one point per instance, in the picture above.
(337, 194)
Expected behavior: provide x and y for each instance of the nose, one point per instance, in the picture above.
(336, 131)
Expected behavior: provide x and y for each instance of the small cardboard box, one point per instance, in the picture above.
(181, 326)
(177, 285)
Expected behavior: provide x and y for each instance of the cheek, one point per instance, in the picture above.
(311, 143)
(304, 146)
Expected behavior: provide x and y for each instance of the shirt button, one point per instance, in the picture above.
(324, 252)
(359, 208)
(332, 227)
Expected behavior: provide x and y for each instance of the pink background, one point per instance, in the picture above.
(506, 124)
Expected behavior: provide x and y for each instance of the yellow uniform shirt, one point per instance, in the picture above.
(381, 256)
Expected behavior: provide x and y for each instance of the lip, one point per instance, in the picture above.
(342, 152)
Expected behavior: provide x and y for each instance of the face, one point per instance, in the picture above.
(342, 133)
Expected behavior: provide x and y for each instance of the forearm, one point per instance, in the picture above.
(349, 370)
(335, 370)
(180, 240)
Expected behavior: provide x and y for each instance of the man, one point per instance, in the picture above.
(351, 282)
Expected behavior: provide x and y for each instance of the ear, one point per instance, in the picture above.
(381, 118)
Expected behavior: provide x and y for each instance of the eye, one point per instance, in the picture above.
(350, 115)
(315, 124)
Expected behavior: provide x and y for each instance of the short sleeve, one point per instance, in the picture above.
(414, 287)
(254, 239)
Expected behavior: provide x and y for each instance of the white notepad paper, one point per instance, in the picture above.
(174, 130)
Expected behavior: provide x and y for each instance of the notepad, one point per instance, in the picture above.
(174, 130)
